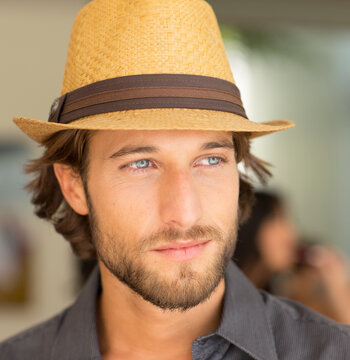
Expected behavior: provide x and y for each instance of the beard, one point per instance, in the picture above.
(181, 291)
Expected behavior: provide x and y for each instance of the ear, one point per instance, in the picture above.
(72, 188)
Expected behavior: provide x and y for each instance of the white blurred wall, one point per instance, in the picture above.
(311, 161)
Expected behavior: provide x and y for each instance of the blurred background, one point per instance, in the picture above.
(290, 59)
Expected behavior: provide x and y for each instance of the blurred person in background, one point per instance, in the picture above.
(267, 242)
(269, 253)
(319, 280)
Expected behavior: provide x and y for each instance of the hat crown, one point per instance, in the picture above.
(114, 38)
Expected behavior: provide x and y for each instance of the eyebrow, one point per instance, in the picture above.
(226, 144)
(129, 150)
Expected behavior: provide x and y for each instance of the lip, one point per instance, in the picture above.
(181, 244)
(182, 251)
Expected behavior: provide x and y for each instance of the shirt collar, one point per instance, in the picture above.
(244, 321)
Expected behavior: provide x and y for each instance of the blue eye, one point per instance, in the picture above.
(140, 164)
(212, 160)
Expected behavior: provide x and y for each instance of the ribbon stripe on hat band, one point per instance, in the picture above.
(149, 91)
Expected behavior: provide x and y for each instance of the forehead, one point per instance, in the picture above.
(107, 140)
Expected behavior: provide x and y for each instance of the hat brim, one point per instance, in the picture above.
(155, 119)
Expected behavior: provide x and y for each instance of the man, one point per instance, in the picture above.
(140, 170)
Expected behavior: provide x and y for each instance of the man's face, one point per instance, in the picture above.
(163, 211)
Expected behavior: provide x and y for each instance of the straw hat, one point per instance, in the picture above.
(147, 65)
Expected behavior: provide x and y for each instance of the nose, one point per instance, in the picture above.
(179, 203)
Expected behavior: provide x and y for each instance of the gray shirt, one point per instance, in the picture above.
(254, 325)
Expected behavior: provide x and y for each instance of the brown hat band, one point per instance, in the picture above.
(151, 91)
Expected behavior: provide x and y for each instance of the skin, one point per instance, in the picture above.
(131, 200)
(322, 283)
(280, 235)
(277, 242)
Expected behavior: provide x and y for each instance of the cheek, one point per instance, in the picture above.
(219, 198)
(122, 205)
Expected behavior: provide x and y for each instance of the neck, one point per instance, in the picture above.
(130, 327)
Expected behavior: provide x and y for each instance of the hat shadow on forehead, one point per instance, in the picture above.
(114, 41)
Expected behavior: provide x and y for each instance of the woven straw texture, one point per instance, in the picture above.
(113, 38)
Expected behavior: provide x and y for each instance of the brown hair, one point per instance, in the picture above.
(70, 147)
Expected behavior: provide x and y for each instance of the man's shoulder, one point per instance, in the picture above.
(33, 343)
(298, 328)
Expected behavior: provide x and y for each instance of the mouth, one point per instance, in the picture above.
(182, 250)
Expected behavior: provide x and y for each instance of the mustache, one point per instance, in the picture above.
(168, 236)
